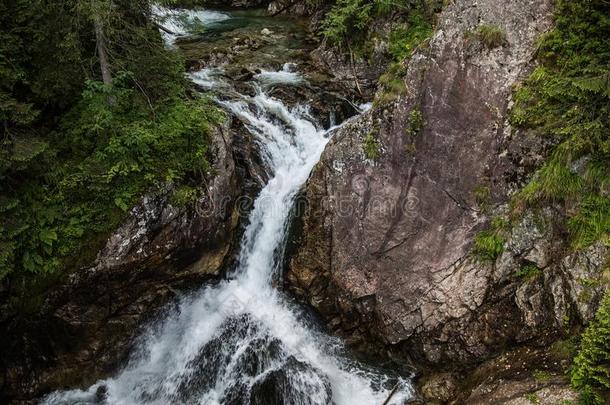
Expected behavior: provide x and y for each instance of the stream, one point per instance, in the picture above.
(242, 341)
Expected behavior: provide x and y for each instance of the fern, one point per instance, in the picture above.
(567, 99)
(591, 370)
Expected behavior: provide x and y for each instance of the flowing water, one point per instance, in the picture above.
(242, 341)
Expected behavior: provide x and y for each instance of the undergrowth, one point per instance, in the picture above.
(591, 371)
(567, 100)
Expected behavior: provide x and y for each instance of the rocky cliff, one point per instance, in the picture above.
(385, 252)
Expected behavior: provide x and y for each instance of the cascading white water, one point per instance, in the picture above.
(179, 22)
(241, 341)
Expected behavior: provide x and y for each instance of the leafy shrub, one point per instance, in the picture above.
(104, 157)
(348, 20)
(73, 163)
(591, 371)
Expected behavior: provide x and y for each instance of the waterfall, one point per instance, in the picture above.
(242, 341)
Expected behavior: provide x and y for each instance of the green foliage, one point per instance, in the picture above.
(346, 17)
(348, 20)
(591, 370)
(348, 23)
(567, 99)
(186, 195)
(105, 157)
(415, 122)
(403, 41)
(406, 38)
(392, 84)
(371, 146)
(488, 245)
(75, 155)
(482, 195)
(489, 35)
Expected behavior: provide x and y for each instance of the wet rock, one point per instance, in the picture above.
(294, 382)
(101, 394)
(440, 387)
(520, 377)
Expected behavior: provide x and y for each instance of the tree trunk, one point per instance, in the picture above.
(100, 40)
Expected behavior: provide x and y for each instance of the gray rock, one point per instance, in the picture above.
(385, 246)
(440, 387)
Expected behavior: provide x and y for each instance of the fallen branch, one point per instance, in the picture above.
(387, 401)
(162, 28)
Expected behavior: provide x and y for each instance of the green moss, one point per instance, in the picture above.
(567, 99)
(591, 371)
(392, 84)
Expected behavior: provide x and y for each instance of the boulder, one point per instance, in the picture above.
(385, 249)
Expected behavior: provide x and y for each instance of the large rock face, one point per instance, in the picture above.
(386, 241)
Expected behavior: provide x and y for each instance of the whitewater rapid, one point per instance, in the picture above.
(224, 343)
